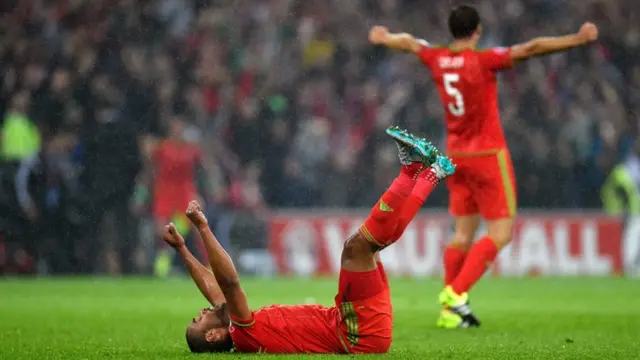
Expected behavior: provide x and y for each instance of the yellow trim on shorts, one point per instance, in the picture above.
(341, 338)
(507, 182)
(350, 318)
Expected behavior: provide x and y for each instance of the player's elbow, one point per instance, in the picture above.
(408, 42)
(230, 284)
(526, 50)
(535, 47)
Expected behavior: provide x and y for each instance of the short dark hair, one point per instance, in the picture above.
(198, 343)
(463, 21)
(197, 340)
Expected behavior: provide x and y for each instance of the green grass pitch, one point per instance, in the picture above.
(145, 319)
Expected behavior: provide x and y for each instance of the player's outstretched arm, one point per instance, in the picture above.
(380, 35)
(221, 265)
(548, 45)
(203, 278)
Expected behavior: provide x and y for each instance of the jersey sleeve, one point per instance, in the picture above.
(427, 51)
(498, 58)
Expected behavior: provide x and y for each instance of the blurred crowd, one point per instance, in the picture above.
(277, 103)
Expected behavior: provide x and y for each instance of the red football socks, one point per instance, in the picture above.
(453, 260)
(425, 185)
(379, 228)
(480, 257)
(427, 181)
(403, 184)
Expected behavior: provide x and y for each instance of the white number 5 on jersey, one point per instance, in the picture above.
(450, 81)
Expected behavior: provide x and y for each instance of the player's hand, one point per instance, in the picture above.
(378, 34)
(172, 237)
(196, 216)
(588, 32)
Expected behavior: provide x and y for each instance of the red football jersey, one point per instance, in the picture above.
(175, 163)
(467, 81)
(293, 329)
(175, 183)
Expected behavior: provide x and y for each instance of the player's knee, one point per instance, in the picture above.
(356, 246)
(462, 241)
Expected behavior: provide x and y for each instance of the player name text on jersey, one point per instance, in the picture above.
(451, 62)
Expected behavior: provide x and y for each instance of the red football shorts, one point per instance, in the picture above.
(364, 303)
(483, 184)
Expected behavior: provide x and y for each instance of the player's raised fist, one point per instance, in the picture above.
(378, 34)
(172, 237)
(588, 31)
(195, 214)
